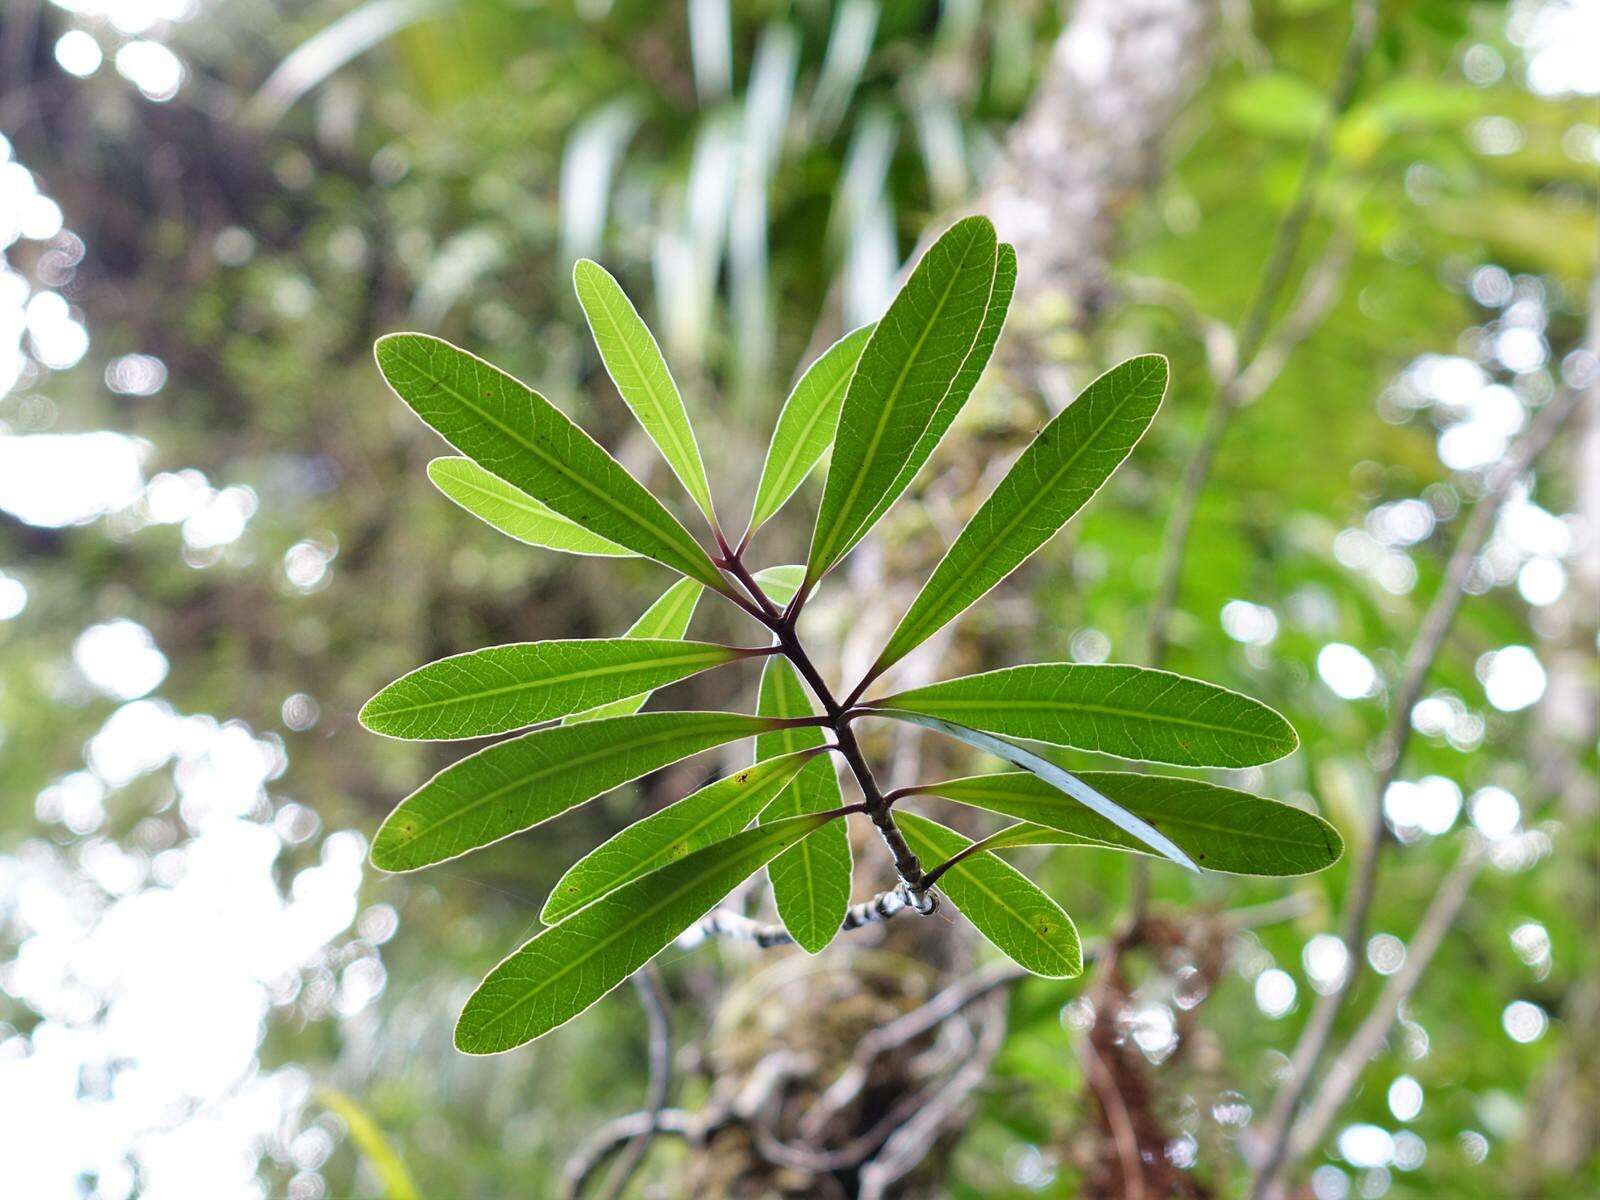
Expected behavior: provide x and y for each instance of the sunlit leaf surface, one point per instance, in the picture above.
(1221, 828)
(516, 784)
(906, 369)
(510, 687)
(637, 367)
(496, 503)
(514, 432)
(806, 424)
(1054, 477)
(717, 811)
(1021, 921)
(1131, 712)
(569, 966)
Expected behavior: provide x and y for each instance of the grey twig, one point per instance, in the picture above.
(898, 1032)
(722, 922)
(647, 983)
(1364, 872)
(621, 1131)
(1247, 378)
(909, 1144)
(1345, 1071)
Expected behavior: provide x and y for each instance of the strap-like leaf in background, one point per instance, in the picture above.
(496, 503)
(569, 966)
(810, 881)
(668, 617)
(1053, 478)
(1022, 922)
(1131, 712)
(514, 432)
(635, 364)
(500, 688)
(906, 369)
(523, 781)
(1221, 829)
(717, 811)
(959, 392)
(805, 425)
(1057, 777)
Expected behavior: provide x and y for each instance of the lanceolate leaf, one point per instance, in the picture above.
(907, 367)
(495, 502)
(511, 687)
(517, 434)
(1054, 477)
(1131, 712)
(569, 966)
(717, 811)
(668, 617)
(636, 366)
(1023, 923)
(781, 583)
(519, 783)
(806, 424)
(1220, 828)
(810, 881)
(1058, 778)
(960, 390)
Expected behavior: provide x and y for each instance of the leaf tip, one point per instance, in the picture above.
(466, 1039)
(370, 715)
(393, 842)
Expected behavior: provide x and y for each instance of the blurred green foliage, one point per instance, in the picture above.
(761, 188)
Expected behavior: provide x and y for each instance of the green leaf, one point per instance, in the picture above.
(519, 783)
(960, 391)
(906, 369)
(1023, 923)
(569, 966)
(810, 881)
(715, 812)
(1059, 778)
(1220, 828)
(511, 687)
(781, 583)
(1277, 104)
(1053, 478)
(496, 503)
(668, 617)
(514, 432)
(1131, 712)
(805, 425)
(636, 366)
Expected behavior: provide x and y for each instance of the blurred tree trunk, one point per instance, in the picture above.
(1091, 142)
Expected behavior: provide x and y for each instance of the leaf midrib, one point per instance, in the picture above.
(699, 487)
(1168, 820)
(914, 462)
(1099, 709)
(522, 502)
(1027, 509)
(711, 658)
(786, 467)
(604, 943)
(564, 765)
(893, 400)
(643, 866)
(555, 463)
(974, 881)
